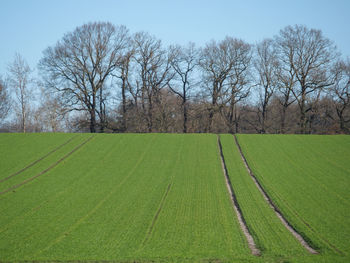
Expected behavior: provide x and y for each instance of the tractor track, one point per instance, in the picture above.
(157, 214)
(278, 213)
(38, 160)
(98, 205)
(242, 223)
(162, 202)
(47, 169)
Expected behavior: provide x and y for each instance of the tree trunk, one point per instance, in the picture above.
(263, 120)
(210, 121)
(102, 112)
(185, 116)
(23, 120)
(124, 76)
(283, 120)
(231, 120)
(92, 121)
(124, 106)
(236, 121)
(150, 115)
(23, 108)
(212, 111)
(342, 120)
(302, 115)
(302, 122)
(93, 114)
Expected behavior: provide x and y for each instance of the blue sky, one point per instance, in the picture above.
(29, 26)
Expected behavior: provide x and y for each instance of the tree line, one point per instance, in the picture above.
(102, 78)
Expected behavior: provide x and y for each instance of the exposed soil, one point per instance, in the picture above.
(36, 161)
(47, 169)
(242, 223)
(273, 206)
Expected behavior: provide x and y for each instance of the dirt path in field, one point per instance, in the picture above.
(273, 206)
(38, 160)
(242, 223)
(47, 169)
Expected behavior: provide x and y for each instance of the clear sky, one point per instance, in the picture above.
(29, 26)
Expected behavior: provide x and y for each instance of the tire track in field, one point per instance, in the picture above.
(58, 219)
(155, 218)
(38, 160)
(290, 208)
(47, 169)
(44, 202)
(309, 226)
(96, 207)
(278, 213)
(157, 214)
(242, 223)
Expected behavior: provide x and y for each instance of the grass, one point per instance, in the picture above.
(101, 202)
(162, 197)
(20, 150)
(272, 238)
(45, 158)
(308, 179)
(197, 219)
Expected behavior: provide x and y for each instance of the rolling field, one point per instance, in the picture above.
(125, 197)
(163, 197)
(271, 236)
(21, 150)
(308, 177)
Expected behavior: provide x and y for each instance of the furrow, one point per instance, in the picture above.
(47, 169)
(96, 207)
(278, 213)
(157, 214)
(251, 243)
(38, 160)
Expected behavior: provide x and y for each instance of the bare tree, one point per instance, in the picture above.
(184, 64)
(19, 80)
(223, 66)
(154, 73)
(215, 72)
(5, 101)
(266, 65)
(285, 84)
(100, 78)
(340, 92)
(79, 65)
(286, 81)
(51, 112)
(238, 87)
(123, 75)
(310, 56)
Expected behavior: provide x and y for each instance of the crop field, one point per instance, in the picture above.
(271, 236)
(164, 198)
(308, 177)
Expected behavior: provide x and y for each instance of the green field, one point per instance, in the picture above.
(163, 197)
(271, 236)
(308, 177)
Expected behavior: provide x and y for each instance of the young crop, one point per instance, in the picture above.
(271, 236)
(307, 177)
(163, 198)
(124, 198)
